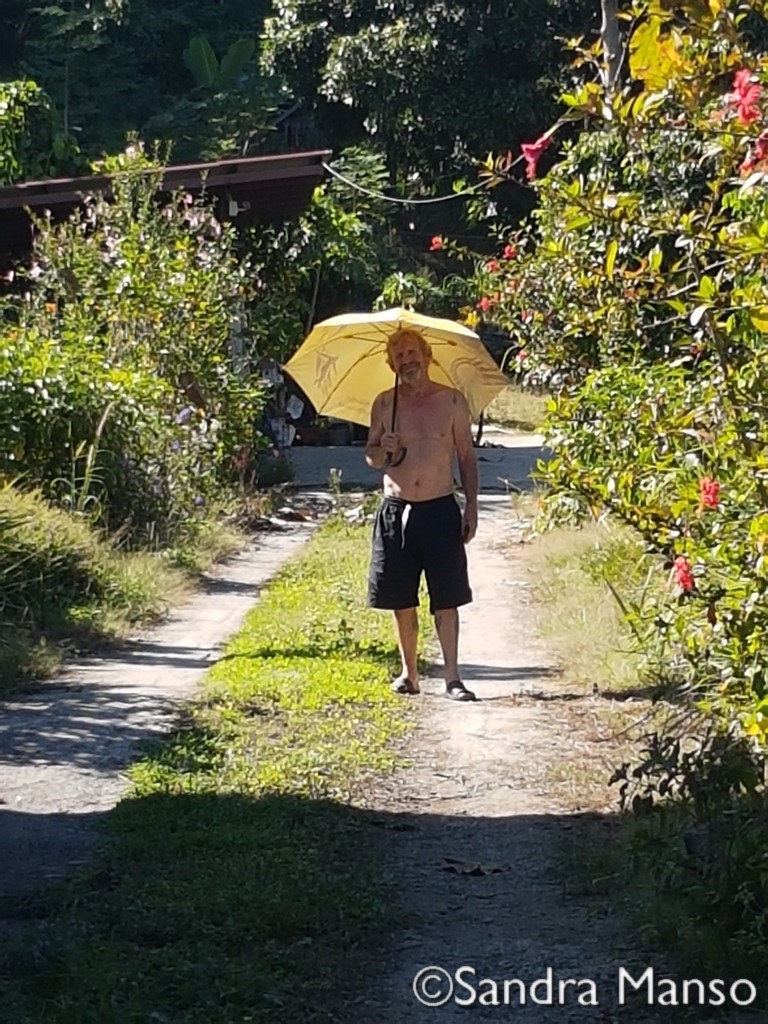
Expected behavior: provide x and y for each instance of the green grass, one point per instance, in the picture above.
(517, 409)
(571, 573)
(66, 586)
(239, 881)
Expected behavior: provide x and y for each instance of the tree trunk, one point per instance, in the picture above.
(611, 37)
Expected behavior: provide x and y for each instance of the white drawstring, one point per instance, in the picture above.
(404, 523)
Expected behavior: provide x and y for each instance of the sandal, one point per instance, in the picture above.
(456, 690)
(404, 685)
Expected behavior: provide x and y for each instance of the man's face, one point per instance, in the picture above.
(409, 359)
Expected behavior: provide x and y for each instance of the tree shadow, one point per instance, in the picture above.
(325, 646)
(510, 673)
(219, 907)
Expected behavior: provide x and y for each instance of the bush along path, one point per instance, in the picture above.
(305, 843)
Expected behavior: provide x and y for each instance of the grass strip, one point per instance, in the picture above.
(66, 585)
(239, 881)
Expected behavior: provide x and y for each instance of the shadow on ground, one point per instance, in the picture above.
(206, 908)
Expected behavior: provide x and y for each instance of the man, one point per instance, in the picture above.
(419, 526)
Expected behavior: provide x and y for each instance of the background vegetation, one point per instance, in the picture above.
(132, 339)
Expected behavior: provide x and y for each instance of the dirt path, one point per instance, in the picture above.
(478, 793)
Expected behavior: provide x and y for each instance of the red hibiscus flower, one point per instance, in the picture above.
(532, 152)
(745, 96)
(436, 244)
(709, 491)
(684, 574)
(509, 252)
(756, 155)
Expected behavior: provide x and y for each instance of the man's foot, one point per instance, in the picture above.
(456, 690)
(405, 685)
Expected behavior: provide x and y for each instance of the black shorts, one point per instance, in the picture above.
(414, 536)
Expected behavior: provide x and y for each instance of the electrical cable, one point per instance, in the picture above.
(397, 199)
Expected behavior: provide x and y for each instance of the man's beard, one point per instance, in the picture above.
(410, 371)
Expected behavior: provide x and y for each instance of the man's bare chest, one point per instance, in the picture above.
(428, 419)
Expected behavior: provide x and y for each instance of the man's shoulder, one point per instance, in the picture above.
(450, 395)
(384, 398)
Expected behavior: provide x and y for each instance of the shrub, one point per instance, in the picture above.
(117, 385)
(62, 579)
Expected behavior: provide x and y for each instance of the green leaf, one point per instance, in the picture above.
(234, 61)
(201, 61)
(580, 220)
(610, 257)
(707, 288)
(759, 318)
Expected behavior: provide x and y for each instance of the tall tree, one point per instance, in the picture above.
(432, 82)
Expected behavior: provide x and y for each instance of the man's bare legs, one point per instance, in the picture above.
(447, 625)
(407, 627)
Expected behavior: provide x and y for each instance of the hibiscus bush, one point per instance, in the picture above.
(118, 395)
(638, 292)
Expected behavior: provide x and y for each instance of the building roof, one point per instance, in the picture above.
(248, 190)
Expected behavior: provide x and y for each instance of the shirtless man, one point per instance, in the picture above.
(419, 525)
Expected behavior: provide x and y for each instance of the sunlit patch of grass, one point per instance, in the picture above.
(517, 409)
(239, 881)
(67, 586)
(570, 571)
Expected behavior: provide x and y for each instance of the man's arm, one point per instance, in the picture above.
(465, 455)
(375, 453)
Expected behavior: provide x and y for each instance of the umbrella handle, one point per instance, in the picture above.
(401, 456)
(398, 460)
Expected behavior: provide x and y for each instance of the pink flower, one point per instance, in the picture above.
(684, 574)
(484, 304)
(745, 96)
(532, 152)
(492, 266)
(509, 252)
(436, 244)
(709, 491)
(756, 155)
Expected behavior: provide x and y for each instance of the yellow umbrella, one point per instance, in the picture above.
(342, 365)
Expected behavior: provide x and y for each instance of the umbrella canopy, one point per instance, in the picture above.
(342, 365)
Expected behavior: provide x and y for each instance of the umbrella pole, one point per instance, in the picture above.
(401, 456)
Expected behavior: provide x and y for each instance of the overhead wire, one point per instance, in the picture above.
(495, 174)
(399, 199)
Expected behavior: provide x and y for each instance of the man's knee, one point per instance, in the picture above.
(406, 614)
